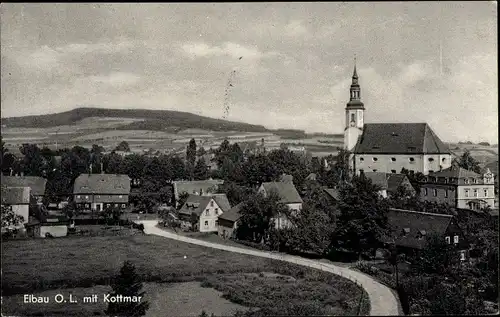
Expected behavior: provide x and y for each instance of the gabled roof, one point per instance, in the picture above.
(399, 138)
(455, 172)
(37, 184)
(195, 204)
(386, 181)
(287, 191)
(112, 184)
(15, 195)
(192, 187)
(222, 201)
(232, 214)
(416, 222)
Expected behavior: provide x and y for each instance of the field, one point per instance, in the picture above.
(85, 265)
(484, 154)
(108, 132)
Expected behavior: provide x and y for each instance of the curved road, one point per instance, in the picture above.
(383, 302)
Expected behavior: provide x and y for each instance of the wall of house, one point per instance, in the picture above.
(385, 164)
(436, 162)
(440, 193)
(383, 193)
(463, 200)
(209, 217)
(23, 211)
(55, 231)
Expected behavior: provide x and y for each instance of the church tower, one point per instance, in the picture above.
(354, 113)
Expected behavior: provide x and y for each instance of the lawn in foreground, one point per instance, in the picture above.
(63, 263)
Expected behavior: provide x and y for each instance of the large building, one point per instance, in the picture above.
(460, 188)
(96, 192)
(390, 147)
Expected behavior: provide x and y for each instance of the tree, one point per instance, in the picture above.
(467, 162)
(10, 219)
(182, 199)
(123, 146)
(191, 152)
(201, 169)
(128, 283)
(363, 216)
(70, 210)
(258, 215)
(222, 152)
(235, 193)
(33, 160)
(436, 257)
(201, 151)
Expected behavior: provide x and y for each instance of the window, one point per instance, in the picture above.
(120, 196)
(393, 159)
(406, 231)
(431, 171)
(485, 193)
(211, 203)
(86, 197)
(435, 192)
(425, 191)
(87, 205)
(374, 169)
(455, 239)
(375, 159)
(123, 206)
(447, 239)
(361, 159)
(206, 223)
(443, 159)
(475, 193)
(466, 181)
(445, 180)
(411, 159)
(446, 193)
(466, 193)
(216, 211)
(462, 255)
(393, 171)
(431, 159)
(78, 196)
(207, 211)
(116, 205)
(352, 115)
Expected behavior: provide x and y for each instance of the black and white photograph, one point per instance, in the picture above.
(249, 159)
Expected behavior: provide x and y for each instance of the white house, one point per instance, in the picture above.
(17, 199)
(288, 195)
(202, 212)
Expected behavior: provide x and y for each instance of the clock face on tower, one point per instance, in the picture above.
(352, 123)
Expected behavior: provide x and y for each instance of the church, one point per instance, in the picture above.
(390, 147)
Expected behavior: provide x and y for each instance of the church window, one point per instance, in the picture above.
(466, 193)
(475, 193)
(443, 160)
(361, 159)
(411, 159)
(431, 159)
(393, 159)
(352, 117)
(375, 159)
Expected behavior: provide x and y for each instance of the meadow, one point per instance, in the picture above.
(87, 264)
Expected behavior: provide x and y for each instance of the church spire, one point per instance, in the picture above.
(355, 73)
(355, 90)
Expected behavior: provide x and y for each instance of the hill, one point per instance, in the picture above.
(153, 120)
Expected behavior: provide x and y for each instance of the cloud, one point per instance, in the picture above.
(233, 50)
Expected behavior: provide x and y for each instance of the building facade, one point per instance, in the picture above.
(289, 196)
(201, 213)
(460, 188)
(390, 147)
(96, 192)
(17, 199)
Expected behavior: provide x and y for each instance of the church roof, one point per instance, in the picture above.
(399, 138)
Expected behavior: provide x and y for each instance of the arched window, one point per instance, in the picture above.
(352, 117)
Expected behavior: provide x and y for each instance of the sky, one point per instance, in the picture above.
(281, 65)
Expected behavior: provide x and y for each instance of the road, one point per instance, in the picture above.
(383, 301)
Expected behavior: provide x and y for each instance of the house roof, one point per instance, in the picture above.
(36, 183)
(399, 138)
(387, 181)
(287, 191)
(414, 222)
(192, 187)
(112, 184)
(455, 172)
(232, 214)
(15, 195)
(195, 204)
(332, 192)
(222, 201)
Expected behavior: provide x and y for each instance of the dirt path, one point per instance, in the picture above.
(383, 301)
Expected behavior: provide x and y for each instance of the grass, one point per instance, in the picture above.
(35, 265)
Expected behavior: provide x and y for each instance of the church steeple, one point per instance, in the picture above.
(355, 90)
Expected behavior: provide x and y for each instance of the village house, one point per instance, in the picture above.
(200, 213)
(411, 229)
(48, 227)
(96, 192)
(228, 222)
(288, 195)
(460, 188)
(202, 187)
(36, 184)
(17, 199)
(390, 147)
(389, 183)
